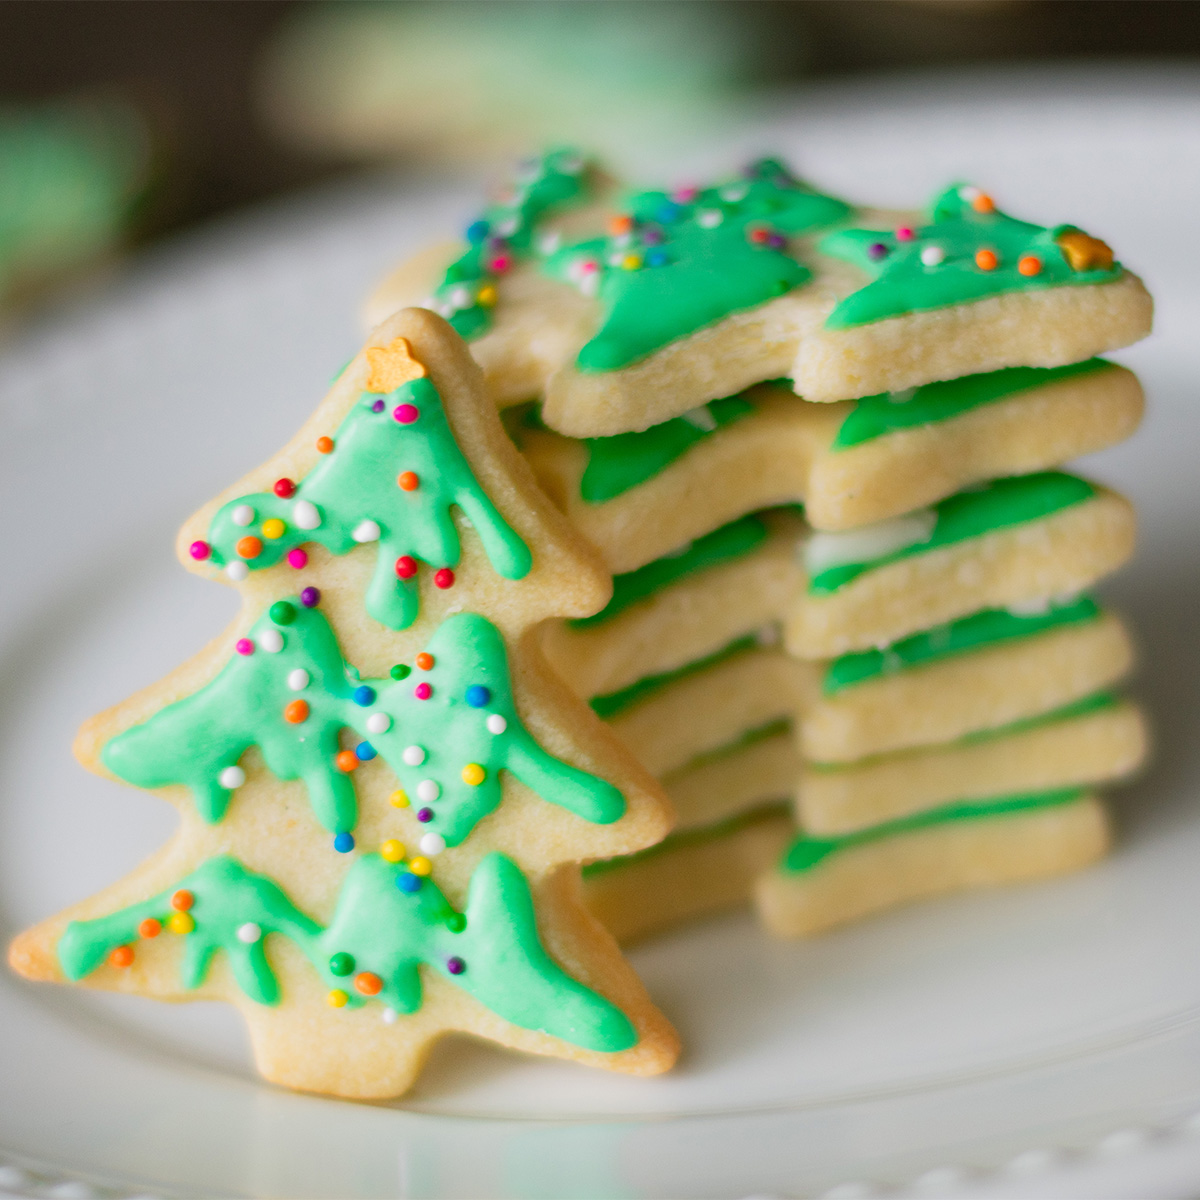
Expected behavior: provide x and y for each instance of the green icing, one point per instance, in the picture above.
(388, 923)
(731, 541)
(616, 464)
(504, 233)
(611, 703)
(357, 482)
(874, 416)
(807, 852)
(903, 283)
(996, 505)
(742, 742)
(690, 258)
(691, 837)
(195, 740)
(980, 629)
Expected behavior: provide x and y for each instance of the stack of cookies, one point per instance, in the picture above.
(850, 629)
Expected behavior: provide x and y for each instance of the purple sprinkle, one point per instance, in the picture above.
(776, 241)
(652, 237)
(425, 814)
(310, 597)
(377, 406)
(877, 250)
(455, 965)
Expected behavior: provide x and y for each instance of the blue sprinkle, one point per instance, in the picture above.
(667, 212)
(364, 752)
(657, 258)
(343, 843)
(478, 695)
(477, 231)
(408, 882)
(363, 696)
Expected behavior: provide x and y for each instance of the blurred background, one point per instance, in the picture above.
(121, 122)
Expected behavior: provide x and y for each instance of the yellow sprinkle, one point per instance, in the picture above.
(181, 922)
(392, 850)
(274, 528)
(473, 774)
(486, 296)
(399, 798)
(420, 866)
(631, 262)
(337, 998)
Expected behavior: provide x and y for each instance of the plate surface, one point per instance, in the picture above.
(1055, 1025)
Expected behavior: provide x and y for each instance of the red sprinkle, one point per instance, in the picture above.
(284, 488)
(443, 578)
(406, 566)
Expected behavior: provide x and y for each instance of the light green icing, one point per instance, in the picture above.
(503, 233)
(194, 740)
(986, 628)
(732, 541)
(690, 258)
(387, 931)
(996, 505)
(807, 852)
(357, 482)
(874, 416)
(691, 837)
(616, 464)
(612, 703)
(902, 283)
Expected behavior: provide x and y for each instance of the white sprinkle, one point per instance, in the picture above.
(432, 843)
(379, 722)
(550, 243)
(389, 1016)
(232, 777)
(969, 193)
(496, 723)
(932, 256)
(589, 285)
(701, 418)
(249, 933)
(242, 515)
(298, 679)
(366, 531)
(237, 571)
(709, 218)
(461, 297)
(271, 640)
(446, 311)
(428, 791)
(507, 227)
(615, 260)
(414, 755)
(305, 515)
(734, 192)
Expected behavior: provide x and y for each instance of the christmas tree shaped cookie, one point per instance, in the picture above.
(383, 791)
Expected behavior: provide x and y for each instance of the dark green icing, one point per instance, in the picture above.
(735, 540)
(986, 628)
(902, 283)
(504, 233)
(194, 740)
(616, 464)
(612, 703)
(807, 852)
(996, 505)
(357, 482)
(691, 837)
(378, 928)
(874, 416)
(694, 256)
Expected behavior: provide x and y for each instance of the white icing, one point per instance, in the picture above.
(823, 551)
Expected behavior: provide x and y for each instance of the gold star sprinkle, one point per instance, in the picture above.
(392, 365)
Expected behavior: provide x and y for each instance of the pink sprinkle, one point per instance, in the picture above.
(244, 646)
(406, 414)
(685, 195)
(588, 267)
(423, 691)
(500, 263)
(297, 559)
(199, 550)
(904, 234)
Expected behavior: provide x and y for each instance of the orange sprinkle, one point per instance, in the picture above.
(296, 712)
(325, 444)
(620, 224)
(249, 547)
(983, 203)
(408, 480)
(986, 260)
(183, 900)
(424, 661)
(151, 927)
(122, 956)
(367, 983)
(346, 760)
(1030, 265)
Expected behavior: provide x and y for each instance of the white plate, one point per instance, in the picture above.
(1057, 1024)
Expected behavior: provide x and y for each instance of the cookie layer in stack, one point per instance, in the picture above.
(913, 671)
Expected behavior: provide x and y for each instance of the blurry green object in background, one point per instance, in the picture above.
(70, 175)
(471, 80)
